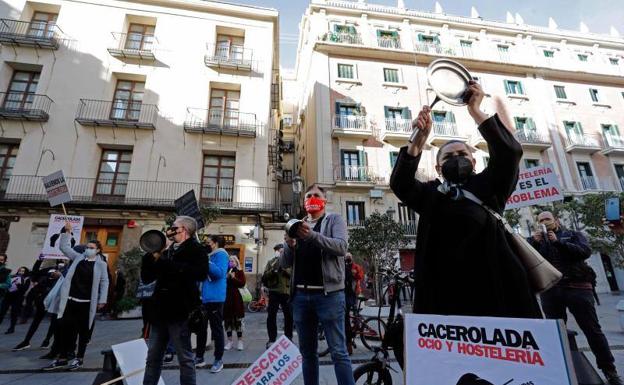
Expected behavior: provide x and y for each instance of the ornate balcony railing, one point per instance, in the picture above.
(24, 106)
(581, 140)
(389, 42)
(588, 183)
(410, 227)
(216, 120)
(133, 46)
(229, 56)
(529, 136)
(365, 174)
(350, 122)
(434, 48)
(29, 188)
(445, 129)
(402, 126)
(117, 113)
(38, 34)
(342, 37)
(612, 141)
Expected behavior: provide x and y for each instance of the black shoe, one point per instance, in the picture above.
(56, 365)
(45, 344)
(268, 344)
(74, 364)
(168, 359)
(21, 346)
(613, 378)
(48, 356)
(10, 331)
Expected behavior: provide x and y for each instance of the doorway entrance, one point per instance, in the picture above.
(110, 238)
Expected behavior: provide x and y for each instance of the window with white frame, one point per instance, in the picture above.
(391, 75)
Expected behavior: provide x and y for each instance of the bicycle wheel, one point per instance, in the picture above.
(373, 332)
(372, 373)
(253, 306)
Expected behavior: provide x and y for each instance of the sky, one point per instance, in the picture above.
(599, 15)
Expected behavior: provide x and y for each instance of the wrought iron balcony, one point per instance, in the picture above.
(353, 126)
(533, 140)
(385, 42)
(614, 145)
(356, 175)
(588, 183)
(118, 113)
(433, 48)
(39, 34)
(581, 144)
(230, 56)
(444, 131)
(397, 129)
(342, 37)
(141, 193)
(218, 121)
(23, 106)
(133, 46)
(410, 228)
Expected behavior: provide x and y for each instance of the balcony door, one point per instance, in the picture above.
(397, 119)
(224, 108)
(612, 135)
(348, 115)
(619, 172)
(587, 176)
(113, 173)
(42, 25)
(230, 47)
(140, 37)
(574, 131)
(8, 153)
(21, 92)
(127, 100)
(218, 178)
(351, 165)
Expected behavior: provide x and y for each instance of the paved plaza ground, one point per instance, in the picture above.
(23, 368)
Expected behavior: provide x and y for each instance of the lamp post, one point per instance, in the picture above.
(390, 212)
(297, 187)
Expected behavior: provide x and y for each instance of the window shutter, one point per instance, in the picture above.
(531, 124)
(352, 30)
(520, 89)
(517, 122)
(450, 116)
(336, 28)
(616, 130)
(420, 37)
(436, 39)
(378, 33)
(387, 112)
(507, 88)
(362, 161)
(406, 114)
(395, 34)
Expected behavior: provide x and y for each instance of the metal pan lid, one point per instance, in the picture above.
(449, 80)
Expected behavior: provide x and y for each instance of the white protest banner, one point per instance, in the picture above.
(278, 365)
(57, 222)
(131, 357)
(536, 186)
(456, 350)
(56, 188)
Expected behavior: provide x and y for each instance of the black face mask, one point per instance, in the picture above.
(457, 169)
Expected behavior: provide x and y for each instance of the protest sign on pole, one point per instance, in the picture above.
(457, 350)
(280, 364)
(536, 186)
(187, 205)
(56, 188)
(57, 223)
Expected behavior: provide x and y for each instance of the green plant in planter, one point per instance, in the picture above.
(129, 263)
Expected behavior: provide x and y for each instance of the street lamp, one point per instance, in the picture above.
(297, 184)
(390, 212)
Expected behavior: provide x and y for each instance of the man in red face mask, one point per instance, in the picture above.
(317, 286)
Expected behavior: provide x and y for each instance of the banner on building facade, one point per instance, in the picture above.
(187, 205)
(280, 364)
(536, 186)
(55, 228)
(457, 350)
(56, 188)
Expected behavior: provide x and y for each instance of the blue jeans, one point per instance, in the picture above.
(180, 336)
(309, 309)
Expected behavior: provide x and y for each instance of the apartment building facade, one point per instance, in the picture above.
(361, 77)
(138, 102)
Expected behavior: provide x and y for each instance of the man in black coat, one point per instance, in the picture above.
(463, 263)
(176, 270)
(567, 251)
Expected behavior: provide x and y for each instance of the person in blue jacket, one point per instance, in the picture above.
(213, 298)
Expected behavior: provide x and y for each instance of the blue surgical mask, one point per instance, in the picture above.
(90, 252)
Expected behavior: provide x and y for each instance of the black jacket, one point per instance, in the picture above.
(568, 254)
(177, 273)
(464, 264)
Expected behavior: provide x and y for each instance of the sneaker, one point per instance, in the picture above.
(74, 364)
(268, 344)
(56, 365)
(48, 356)
(228, 346)
(217, 366)
(613, 378)
(21, 346)
(240, 346)
(45, 344)
(168, 358)
(200, 363)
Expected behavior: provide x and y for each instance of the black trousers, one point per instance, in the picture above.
(277, 300)
(73, 324)
(215, 318)
(580, 302)
(11, 301)
(40, 313)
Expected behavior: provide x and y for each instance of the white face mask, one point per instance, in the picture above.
(89, 253)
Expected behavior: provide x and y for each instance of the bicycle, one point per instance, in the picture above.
(377, 370)
(261, 304)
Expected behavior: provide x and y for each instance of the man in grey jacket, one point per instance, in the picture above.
(317, 286)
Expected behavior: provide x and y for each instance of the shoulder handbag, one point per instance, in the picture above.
(245, 294)
(542, 275)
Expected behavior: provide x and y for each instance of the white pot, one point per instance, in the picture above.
(134, 313)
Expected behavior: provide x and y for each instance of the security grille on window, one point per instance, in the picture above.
(345, 71)
(355, 213)
(391, 75)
